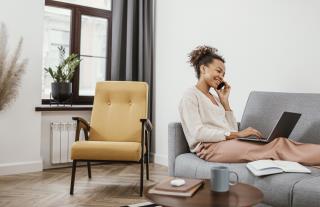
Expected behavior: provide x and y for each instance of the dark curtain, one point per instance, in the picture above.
(132, 50)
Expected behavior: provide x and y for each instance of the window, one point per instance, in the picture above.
(82, 27)
(56, 33)
(93, 53)
(99, 4)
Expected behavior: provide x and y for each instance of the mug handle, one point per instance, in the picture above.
(234, 183)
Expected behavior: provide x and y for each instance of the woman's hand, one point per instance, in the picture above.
(244, 133)
(224, 93)
(249, 132)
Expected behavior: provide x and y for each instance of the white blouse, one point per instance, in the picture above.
(202, 120)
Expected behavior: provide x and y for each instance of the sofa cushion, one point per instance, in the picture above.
(306, 192)
(263, 110)
(277, 189)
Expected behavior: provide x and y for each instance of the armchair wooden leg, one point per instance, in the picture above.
(74, 166)
(89, 169)
(147, 157)
(147, 167)
(141, 176)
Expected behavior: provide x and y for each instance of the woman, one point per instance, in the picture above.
(211, 128)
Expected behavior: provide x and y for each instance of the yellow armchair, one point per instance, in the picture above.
(119, 129)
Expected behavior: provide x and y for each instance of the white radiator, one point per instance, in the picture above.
(62, 137)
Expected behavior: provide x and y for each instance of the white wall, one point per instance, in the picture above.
(20, 125)
(269, 45)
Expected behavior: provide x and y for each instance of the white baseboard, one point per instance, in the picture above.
(20, 167)
(159, 159)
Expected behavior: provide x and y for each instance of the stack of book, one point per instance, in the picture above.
(186, 190)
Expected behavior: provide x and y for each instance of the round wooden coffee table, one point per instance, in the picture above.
(239, 195)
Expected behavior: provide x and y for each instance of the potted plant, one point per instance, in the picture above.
(61, 88)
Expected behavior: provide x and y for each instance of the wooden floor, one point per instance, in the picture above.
(111, 185)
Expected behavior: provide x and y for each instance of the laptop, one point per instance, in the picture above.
(283, 128)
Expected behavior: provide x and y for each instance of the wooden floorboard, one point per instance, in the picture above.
(111, 185)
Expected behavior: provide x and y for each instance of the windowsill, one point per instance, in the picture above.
(64, 108)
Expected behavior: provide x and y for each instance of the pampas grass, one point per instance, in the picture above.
(11, 70)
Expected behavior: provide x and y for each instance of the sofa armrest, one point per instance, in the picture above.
(177, 144)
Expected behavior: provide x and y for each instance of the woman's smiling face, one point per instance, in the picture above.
(213, 73)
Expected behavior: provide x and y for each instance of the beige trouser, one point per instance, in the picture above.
(236, 151)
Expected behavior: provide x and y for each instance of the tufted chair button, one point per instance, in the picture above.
(109, 103)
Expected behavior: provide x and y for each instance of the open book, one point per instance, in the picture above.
(267, 167)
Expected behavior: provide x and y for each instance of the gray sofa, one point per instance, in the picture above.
(262, 111)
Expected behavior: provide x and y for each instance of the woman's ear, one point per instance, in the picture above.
(202, 69)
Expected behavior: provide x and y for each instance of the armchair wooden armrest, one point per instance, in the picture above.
(81, 124)
(146, 124)
(146, 129)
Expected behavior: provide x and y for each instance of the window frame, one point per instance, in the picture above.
(75, 38)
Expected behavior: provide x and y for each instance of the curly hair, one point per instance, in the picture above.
(203, 55)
